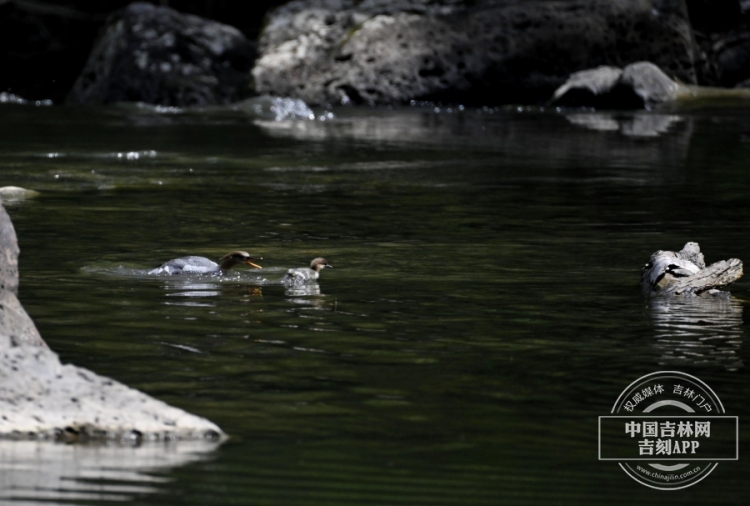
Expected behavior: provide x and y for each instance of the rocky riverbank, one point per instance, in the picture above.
(481, 52)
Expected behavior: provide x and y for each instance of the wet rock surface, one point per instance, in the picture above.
(160, 56)
(330, 51)
(42, 398)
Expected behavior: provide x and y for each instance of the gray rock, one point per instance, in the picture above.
(159, 56)
(8, 253)
(41, 398)
(638, 85)
(596, 81)
(482, 51)
(16, 324)
(649, 82)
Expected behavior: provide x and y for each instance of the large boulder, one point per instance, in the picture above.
(482, 51)
(42, 398)
(159, 56)
(730, 59)
(44, 47)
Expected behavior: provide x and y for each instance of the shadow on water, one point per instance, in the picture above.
(697, 331)
(44, 472)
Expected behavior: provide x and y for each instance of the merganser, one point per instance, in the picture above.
(202, 265)
(302, 275)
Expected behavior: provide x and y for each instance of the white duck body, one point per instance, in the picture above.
(202, 265)
(303, 275)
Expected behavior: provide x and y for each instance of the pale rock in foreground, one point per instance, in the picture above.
(40, 397)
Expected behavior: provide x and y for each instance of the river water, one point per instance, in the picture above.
(482, 313)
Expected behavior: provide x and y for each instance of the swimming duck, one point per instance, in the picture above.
(202, 265)
(302, 275)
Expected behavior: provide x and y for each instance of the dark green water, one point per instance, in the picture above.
(482, 312)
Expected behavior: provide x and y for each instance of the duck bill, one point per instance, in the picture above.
(248, 262)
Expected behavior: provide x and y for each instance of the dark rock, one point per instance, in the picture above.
(730, 58)
(714, 15)
(483, 51)
(638, 85)
(159, 56)
(44, 47)
(16, 324)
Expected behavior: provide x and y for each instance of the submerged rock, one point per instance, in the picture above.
(159, 56)
(484, 51)
(42, 398)
(685, 273)
(11, 193)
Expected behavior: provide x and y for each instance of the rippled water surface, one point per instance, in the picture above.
(482, 312)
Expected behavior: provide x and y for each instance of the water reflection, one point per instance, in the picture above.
(513, 133)
(698, 331)
(297, 291)
(35, 472)
(192, 289)
(640, 125)
(202, 286)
